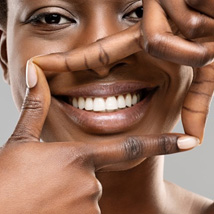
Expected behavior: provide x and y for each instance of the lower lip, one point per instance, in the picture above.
(107, 123)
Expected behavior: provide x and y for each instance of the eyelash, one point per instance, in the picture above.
(135, 19)
(41, 19)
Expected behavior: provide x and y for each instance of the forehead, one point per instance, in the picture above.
(73, 2)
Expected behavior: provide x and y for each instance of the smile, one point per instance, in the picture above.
(107, 104)
(107, 108)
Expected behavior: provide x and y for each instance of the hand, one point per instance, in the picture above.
(194, 19)
(59, 177)
(157, 38)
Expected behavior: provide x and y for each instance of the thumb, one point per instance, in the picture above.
(35, 106)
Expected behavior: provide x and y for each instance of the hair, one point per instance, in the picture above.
(3, 12)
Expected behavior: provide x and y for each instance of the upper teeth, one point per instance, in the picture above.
(99, 104)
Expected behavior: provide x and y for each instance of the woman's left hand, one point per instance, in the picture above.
(194, 19)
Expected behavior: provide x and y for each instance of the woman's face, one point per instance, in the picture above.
(37, 27)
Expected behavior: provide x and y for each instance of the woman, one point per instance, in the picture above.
(101, 106)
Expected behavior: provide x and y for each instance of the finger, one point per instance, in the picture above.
(157, 40)
(192, 24)
(160, 42)
(98, 54)
(35, 107)
(205, 6)
(128, 149)
(197, 102)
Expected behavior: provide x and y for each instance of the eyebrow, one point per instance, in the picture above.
(78, 3)
(82, 1)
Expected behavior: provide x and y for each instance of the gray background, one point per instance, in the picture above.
(193, 170)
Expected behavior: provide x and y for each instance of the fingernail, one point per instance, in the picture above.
(187, 142)
(31, 75)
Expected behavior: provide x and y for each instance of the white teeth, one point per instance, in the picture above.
(89, 104)
(128, 100)
(99, 104)
(134, 99)
(121, 102)
(81, 103)
(109, 104)
(75, 103)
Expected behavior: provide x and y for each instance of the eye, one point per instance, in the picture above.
(54, 19)
(50, 19)
(135, 15)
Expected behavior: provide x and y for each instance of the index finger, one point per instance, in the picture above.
(153, 34)
(127, 149)
(101, 53)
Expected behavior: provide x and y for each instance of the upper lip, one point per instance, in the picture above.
(104, 89)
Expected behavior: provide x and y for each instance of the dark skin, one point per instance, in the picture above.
(59, 176)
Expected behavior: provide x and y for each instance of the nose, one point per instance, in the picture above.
(98, 24)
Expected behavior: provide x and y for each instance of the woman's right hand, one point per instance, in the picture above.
(59, 177)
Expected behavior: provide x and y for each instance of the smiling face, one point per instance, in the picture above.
(137, 95)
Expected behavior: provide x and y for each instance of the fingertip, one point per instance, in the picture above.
(194, 123)
(31, 75)
(188, 142)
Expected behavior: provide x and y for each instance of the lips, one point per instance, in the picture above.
(106, 108)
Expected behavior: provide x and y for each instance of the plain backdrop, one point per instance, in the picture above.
(193, 170)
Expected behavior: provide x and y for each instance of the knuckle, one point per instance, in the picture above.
(168, 144)
(139, 38)
(95, 189)
(103, 55)
(33, 103)
(76, 154)
(133, 148)
(204, 56)
(154, 44)
(67, 62)
(76, 157)
(194, 27)
(16, 137)
(22, 135)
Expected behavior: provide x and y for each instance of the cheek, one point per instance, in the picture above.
(175, 79)
(20, 49)
(180, 81)
(175, 93)
(167, 105)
